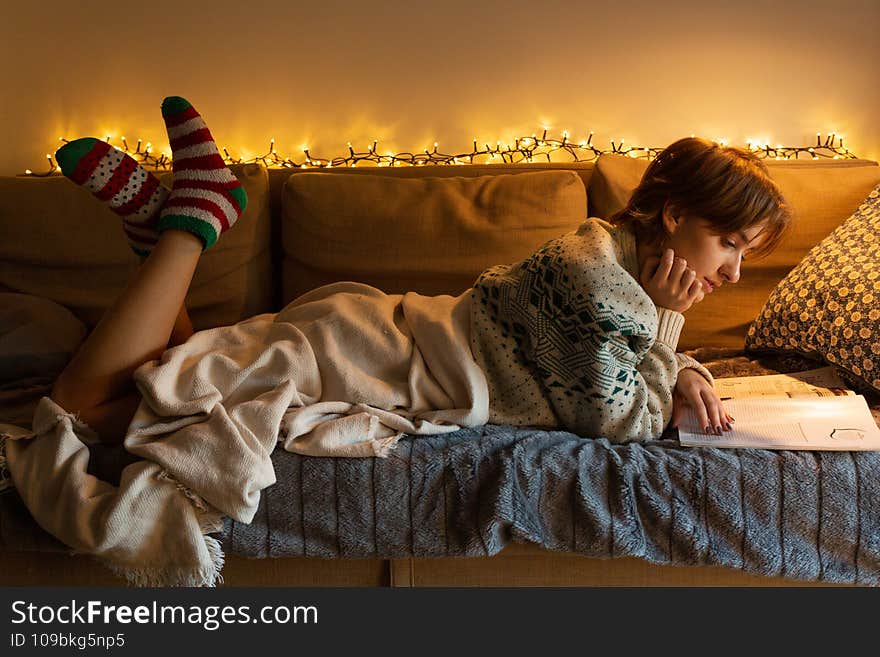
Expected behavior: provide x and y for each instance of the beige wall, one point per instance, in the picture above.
(410, 73)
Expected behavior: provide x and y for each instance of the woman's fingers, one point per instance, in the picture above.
(688, 279)
(665, 266)
(715, 414)
(695, 391)
(679, 267)
(691, 396)
(708, 410)
(650, 268)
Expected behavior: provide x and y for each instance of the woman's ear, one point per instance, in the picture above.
(671, 218)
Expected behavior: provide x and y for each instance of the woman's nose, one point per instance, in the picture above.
(730, 271)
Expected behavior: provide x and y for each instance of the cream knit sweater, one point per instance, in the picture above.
(568, 338)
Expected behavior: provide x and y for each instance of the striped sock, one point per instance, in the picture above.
(206, 198)
(121, 183)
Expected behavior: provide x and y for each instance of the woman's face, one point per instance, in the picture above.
(716, 258)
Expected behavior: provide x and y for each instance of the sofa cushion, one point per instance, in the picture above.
(38, 337)
(829, 305)
(822, 194)
(58, 242)
(432, 235)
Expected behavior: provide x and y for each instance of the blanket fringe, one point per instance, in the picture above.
(208, 575)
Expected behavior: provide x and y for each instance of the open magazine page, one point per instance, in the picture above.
(803, 411)
(821, 382)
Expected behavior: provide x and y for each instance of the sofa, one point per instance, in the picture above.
(429, 229)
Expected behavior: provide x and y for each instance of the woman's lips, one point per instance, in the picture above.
(706, 284)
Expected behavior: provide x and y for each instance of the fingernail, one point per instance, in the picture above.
(732, 419)
(728, 426)
(718, 429)
(708, 429)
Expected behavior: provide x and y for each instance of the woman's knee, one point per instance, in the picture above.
(111, 419)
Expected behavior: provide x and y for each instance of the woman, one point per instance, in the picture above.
(580, 335)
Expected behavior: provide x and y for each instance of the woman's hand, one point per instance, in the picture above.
(670, 283)
(692, 389)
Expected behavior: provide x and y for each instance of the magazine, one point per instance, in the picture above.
(811, 410)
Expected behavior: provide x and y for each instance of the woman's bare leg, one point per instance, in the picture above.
(206, 199)
(134, 330)
(183, 328)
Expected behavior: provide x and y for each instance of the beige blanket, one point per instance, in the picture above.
(344, 370)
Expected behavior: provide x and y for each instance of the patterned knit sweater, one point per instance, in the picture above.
(568, 338)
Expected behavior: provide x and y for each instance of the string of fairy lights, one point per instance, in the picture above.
(522, 150)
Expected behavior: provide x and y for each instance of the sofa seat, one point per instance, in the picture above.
(528, 496)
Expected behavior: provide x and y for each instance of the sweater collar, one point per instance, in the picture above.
(625, 239)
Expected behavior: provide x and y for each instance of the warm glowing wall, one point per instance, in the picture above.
(410, 73)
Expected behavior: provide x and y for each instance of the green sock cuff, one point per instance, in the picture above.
(195, 226)
(69, 155)
(240, 196)
(174, 105)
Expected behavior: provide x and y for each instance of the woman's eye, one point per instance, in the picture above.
(732, 245)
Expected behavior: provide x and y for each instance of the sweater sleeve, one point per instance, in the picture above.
(621, 381)
(685, 362)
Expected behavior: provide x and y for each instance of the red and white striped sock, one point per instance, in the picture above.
(121, 183)
(206, 198)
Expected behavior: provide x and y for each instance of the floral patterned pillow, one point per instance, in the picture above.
(828, 306)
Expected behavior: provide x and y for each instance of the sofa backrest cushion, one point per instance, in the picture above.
(432, 235)
(822, 195)
(58, 242)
